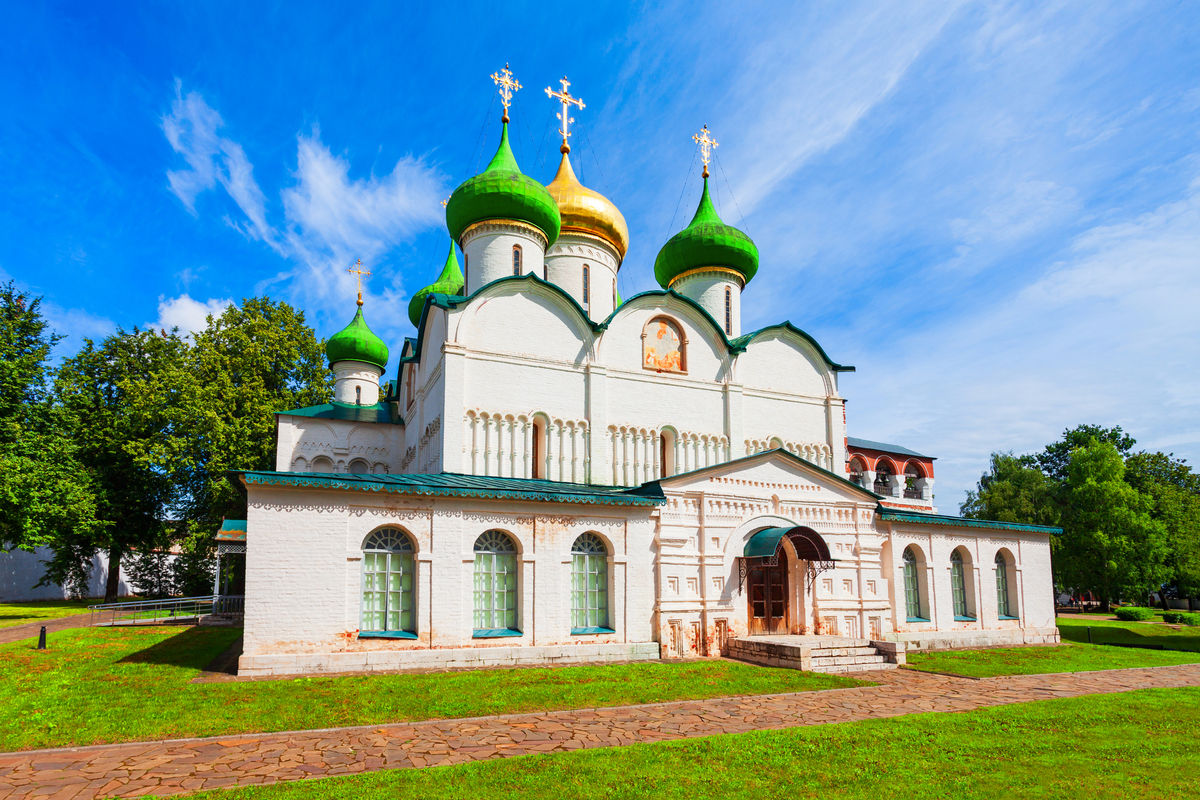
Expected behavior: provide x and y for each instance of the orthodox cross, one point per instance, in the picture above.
(358, 272)
(564, 116)
(707, 143)
(508, 85)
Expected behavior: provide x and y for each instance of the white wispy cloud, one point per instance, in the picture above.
(192, 128)
(186, 314)
(329, 217)
(1106, 335)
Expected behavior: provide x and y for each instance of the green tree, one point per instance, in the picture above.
(104, 393)
(45, 494)
(1111, 545)
(220, 403)
(1012, 490)
(1175, 489)
(1054, 459)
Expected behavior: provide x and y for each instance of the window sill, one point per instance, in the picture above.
(1004, 616)
(386, 635)
(493, 633)
(957, 618)
(584, 631)
(917, 619)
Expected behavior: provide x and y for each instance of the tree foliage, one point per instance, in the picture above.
(44, 493)
(107, 408)
(1012, 491)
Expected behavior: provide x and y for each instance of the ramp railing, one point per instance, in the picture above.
(171, 611)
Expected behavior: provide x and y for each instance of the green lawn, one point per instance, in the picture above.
(132, 684)
(1181, 646)
(21, 613)
(1129, 746)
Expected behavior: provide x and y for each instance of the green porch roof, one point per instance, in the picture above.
(450, 484)
(893, 515)
(232, 530)
(378, 412)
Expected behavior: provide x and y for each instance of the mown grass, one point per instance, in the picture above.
(21, 613)
(133, 684)
(1129, 746)
(1181, 645)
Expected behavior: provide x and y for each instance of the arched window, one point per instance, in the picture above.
(589, 585)
(387, 584)
(663, 346)
(495, 585)
(359, 467)
(666, 453)
(912, 476)
(537, 452)
(912, 588)
(614, 294)
(587, 288)
(728, 311)
(856, 473)
(958, 587)
(358, 395)
(883, 479)
(516, 259)
(1004, 604)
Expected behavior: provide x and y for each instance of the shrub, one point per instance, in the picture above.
(1134, 613)
(1181, 618)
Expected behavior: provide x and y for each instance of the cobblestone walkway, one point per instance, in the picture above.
(15, 633)
(181, 766)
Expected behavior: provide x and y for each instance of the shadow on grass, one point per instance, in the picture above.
(193, 648)
(1125, 636)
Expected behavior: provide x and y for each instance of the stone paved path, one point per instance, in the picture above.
(180, 766)
(15, 633)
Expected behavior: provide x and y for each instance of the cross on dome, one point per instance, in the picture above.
(508, 86)
(707, 144)
(357, 271)
(564, 116)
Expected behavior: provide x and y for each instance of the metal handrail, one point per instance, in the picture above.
(160, 612)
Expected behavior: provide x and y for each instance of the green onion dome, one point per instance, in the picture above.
(502, 192)
(706, 243)
(356, 342)
(449, 282)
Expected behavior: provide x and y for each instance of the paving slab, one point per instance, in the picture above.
(182, 766)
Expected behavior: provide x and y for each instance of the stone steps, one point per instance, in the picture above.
(816, 653)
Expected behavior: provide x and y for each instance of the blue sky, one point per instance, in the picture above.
(992, 210)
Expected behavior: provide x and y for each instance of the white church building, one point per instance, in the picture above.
(556, 475)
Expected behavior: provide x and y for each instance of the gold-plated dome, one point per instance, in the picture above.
(587, 211)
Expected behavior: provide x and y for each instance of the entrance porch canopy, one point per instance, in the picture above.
(808, 543)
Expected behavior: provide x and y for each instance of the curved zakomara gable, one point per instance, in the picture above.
(589, 337)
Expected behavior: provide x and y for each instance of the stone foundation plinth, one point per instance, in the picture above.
(959, 640)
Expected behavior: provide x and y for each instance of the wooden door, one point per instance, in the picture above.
(767, 593)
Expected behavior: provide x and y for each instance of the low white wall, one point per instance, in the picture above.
(20, 571)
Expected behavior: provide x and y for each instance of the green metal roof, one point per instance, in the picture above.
(449, 282)
(232, 530)
(884, 447)
(706, 242)
(502, 192)
(743, 341)
(892, 515)
(449, 484)
(377, 412)
(357, 342)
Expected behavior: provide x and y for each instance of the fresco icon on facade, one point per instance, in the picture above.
(662, 346)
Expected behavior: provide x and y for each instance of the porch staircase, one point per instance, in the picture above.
(830, 654)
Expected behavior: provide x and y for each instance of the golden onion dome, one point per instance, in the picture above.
(586, 211)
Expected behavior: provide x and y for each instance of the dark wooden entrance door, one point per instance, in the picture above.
(767, 590)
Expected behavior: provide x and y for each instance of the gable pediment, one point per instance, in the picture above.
(770, 474)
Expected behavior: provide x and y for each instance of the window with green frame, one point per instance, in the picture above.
(387, 584)
(589, 585)
(958, 586)
(912, 588)
(1003, 604)
(495, 585)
